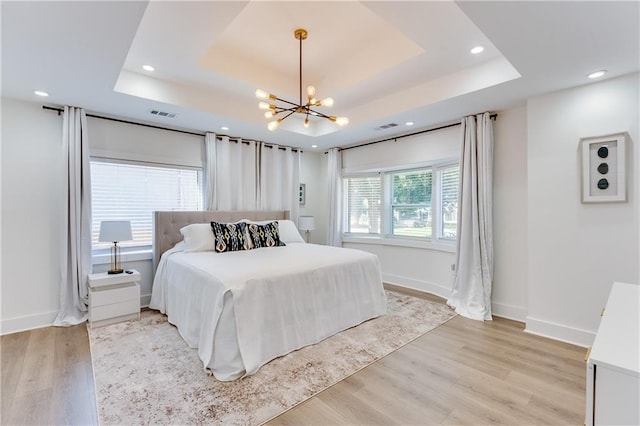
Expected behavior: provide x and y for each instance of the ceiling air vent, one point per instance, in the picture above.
(386, 126)
(162, 113)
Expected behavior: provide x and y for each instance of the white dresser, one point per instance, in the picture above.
(613, 366)
(113, 298)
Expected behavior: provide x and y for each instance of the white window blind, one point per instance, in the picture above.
(449, 177)
(416, 204)
(411, 203)
(363, 204)
(125, 191)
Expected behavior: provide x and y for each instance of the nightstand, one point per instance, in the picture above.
(113, 298)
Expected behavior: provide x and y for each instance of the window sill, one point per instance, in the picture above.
(130, 256)
(400, 242)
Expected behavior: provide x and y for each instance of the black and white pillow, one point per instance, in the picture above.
(230, 236)
(264, 235)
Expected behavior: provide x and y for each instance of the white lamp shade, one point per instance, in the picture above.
(306, 223)
(115, 230)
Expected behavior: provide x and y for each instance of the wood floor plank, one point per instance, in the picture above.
(13, 348)
(74, 378)
(30, 409)
(37, 372)
(463, 372)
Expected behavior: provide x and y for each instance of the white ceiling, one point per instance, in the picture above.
(382, 62)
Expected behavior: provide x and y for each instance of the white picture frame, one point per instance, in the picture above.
(302, 194)
(604, 178)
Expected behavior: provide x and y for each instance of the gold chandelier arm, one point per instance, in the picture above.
(288, 114)
(279, 110)
(286, 102)
(272, 110)
(318, 113)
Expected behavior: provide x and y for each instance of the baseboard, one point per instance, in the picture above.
(563, 333)
(29, 322)
(424, 286)
(512, 312)
(145, 299)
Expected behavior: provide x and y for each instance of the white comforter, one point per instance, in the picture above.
(242, 309)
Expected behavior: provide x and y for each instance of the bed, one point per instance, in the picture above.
(241, 309)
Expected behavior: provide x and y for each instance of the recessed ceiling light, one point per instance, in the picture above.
(597, 74)
(148, 68)
(314, 146)
(477, 49)
(224, 128)
(409, 123)
(40, 93)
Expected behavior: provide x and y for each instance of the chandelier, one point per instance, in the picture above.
(272, 110)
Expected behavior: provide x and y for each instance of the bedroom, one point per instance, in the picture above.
(555, 258)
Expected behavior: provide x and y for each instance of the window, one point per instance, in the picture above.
(411, 204)
(363, 204)
(128, 191)
(415, 204)
(449, 177)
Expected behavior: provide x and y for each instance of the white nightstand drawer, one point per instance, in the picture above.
(115, 310)
(103, 279)
(115, 295)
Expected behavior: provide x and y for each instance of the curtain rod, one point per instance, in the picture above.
(446, 126)
(218, 136)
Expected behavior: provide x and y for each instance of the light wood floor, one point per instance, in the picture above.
(463, 372)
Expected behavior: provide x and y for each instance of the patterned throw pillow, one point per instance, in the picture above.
(264, 235)
(230, 236)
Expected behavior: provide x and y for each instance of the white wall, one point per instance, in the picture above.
(424, 269)
(430, 270)
(32, 174)
(32, 179)
(509, 293)
(576, 250)
(312, 165)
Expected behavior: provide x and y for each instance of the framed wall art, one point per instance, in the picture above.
(302, 194)
(604, 178)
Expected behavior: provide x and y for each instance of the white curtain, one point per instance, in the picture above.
(334, 177)
(471, 294)
(231, 180)
(279, 179)
(210, 199)
(75, 247)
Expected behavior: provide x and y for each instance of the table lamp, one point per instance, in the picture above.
(306, 224)
(114, 231)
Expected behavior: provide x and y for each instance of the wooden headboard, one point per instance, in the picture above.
(166, 225)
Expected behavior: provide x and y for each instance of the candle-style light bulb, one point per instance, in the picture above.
(328, 102)
(272, 125)
(261, 94)
(311, 91)
(342, 121)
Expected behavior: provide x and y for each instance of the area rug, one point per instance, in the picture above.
(146, 374)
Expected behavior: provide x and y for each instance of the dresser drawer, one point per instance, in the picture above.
(115, 310)
(111, 295)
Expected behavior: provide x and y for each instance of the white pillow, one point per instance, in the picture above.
(198, 237)
(288, 232)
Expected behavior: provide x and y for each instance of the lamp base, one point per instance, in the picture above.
(115, 271)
